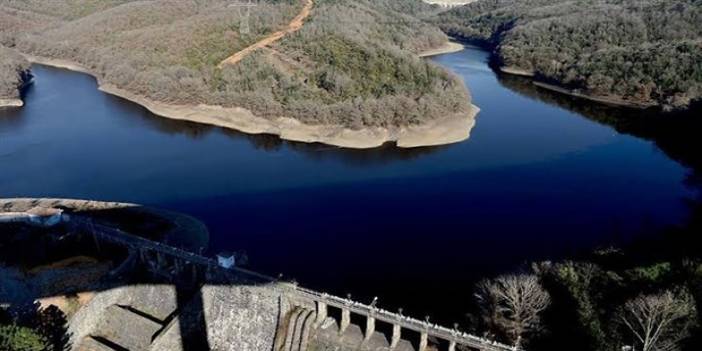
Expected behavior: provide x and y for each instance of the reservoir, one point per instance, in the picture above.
(541, 177)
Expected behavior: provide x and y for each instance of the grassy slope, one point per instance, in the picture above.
(352, 62)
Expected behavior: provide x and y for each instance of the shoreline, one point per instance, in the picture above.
(516, 71)
(598, 99)
(11, 103)
(449, 47)
(611, 101)
(449, 130)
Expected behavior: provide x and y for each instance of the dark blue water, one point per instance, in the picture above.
(414, 227)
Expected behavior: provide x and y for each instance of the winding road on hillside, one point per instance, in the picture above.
(292, 27)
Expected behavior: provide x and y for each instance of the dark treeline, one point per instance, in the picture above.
(644, 52)
(33, 328)
(352, 63)
(13, 73)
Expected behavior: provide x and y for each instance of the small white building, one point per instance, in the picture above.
(226, 260)
(39, 216)
(449, 3)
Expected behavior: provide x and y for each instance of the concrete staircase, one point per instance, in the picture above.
(299, 325)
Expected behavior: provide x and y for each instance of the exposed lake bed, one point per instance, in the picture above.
(534, 181)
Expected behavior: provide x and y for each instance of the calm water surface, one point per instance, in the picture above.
(414, 227)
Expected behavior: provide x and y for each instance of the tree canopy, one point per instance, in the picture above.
(352, 63)
(646, 52)
(13, 71)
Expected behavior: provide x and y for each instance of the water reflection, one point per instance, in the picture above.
(11, 117)
(675, 133)
(389, 152)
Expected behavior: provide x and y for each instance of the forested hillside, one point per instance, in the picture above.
(352, 63)
(643, 52)
(13, 73)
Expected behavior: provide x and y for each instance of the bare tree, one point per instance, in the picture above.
(659, 322)
(513, 304)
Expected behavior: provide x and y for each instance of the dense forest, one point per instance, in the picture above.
(13, 73)
(352, 63)
(640, 52)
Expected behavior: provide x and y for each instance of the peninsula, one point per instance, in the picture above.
(345, 73)
(14, 74)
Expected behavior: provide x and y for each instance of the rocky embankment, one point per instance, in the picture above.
(447, 48)
(14, 74)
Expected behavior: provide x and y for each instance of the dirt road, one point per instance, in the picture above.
(292, 27)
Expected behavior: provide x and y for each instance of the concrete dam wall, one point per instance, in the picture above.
(217, 318)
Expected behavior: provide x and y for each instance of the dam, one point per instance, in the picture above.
(171, 262)
(160, 297)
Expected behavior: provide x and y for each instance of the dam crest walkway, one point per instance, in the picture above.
(165, 255)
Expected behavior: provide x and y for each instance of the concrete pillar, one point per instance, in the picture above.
(345, 320)
(176, 266)
(194, 266)
(321, 313)
(370, 327)
(423, 341)
(396, 335)
(159, 259)
(452, 346)
(95, 239)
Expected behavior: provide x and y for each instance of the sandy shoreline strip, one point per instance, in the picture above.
(449, 47)
(565, 91)
(600, 99)
(11, 103)
(516, 71)
(447, 130)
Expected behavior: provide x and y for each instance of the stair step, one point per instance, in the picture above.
(127, 329)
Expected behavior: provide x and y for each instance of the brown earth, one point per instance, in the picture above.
(292, 27)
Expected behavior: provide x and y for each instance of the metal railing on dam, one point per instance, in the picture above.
(372, 313)
(399, 321)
